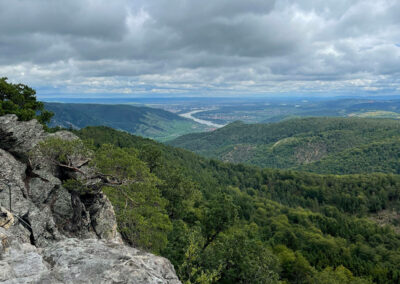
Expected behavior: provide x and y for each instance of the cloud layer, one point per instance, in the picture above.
(181, 47)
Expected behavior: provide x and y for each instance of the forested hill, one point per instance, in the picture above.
(227, 223)
(324, 145)
(145, 121)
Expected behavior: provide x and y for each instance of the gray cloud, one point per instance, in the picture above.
(226, 46)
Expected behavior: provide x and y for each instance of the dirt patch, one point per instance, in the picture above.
(310, 152)
(388, 217)
(239, 153)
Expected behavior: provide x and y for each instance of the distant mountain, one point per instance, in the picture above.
(268, 110)
(144, 121)
(322, 145)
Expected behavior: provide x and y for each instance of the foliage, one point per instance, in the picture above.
(191, 269)
(20, 99)
(339, 275)
(73, 185)
(323, 145)
(140, 209)
(219, 216)
(64, 152)
(181, 192)
(233, 223)
(381, 156)
(244, 258)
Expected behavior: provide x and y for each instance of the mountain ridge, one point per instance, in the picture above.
(141, 120)
(293, 143)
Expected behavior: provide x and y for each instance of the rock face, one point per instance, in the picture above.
(19, 138)
(49, 234)
(81, 261)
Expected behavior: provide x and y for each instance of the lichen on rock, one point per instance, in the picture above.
(6, 218)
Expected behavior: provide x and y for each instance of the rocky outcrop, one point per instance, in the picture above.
(49, 234)
(80, 261)
(19, 138)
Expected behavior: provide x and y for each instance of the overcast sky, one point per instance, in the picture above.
(208, 47)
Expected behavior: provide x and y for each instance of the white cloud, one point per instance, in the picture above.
(182, 46)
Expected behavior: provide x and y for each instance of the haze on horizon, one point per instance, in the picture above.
(208, 48)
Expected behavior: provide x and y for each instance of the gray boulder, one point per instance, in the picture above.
(81, 261)
(101, 211)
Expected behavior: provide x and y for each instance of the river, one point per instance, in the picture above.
(209, 123)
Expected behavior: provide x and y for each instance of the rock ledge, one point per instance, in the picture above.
(51, 235)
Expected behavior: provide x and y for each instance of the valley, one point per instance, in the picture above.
(225, 110)
(301, 200)
(141, 120)
(200, 142)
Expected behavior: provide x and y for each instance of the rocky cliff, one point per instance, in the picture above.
(49, 234)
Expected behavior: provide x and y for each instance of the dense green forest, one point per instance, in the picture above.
(140, 120)
(322, 145)
(382, 156)
(231, 223)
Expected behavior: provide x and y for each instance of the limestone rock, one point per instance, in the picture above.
(36, 219)
(83, 261)
(12, 175)
(49, 234)
(41, 184)
(19, 137)
(96, 261)
(102, 216)
(19, 233)
(64, 135)
(22, 263)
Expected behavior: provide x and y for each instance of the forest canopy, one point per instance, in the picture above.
(242, 224)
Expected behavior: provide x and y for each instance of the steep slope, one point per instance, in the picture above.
(53, 234)
(270, 224)
(148, 122)
(296, 143)
(382, 156)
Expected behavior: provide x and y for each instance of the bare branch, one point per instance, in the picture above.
(68, 167)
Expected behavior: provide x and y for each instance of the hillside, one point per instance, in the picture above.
(382, 156)
(325, 145)
(148, 122)
(244, 224)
